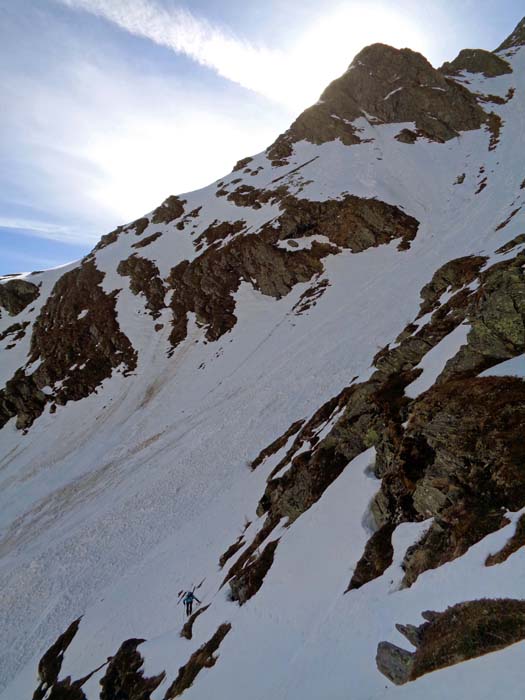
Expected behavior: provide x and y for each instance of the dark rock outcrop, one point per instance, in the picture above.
(205, 286)
(250, 578)
(516, 39)
(148, 240)
(517, 541)
(79, 343)
(202, 658)
(138, 226)
(16, 295)
(171, 208)
(144, 279)
(464, 631)
(385, 85)
(51, 663)
(187, 628)
(277, 444)
(124, 678)
(477, 61)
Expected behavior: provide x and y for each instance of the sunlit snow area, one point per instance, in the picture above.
(113, 504)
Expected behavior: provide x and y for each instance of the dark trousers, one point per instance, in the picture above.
(189, 607)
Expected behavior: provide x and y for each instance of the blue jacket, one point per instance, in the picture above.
(190, 597)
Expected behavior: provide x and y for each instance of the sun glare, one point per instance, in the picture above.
(326, 49)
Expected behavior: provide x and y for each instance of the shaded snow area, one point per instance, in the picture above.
(113, 504)
(513, 368)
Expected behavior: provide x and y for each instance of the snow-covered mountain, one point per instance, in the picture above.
(299, 392)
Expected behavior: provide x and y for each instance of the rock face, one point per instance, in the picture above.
(50, 665)
(385, 85)
(16, 295)
(78, 342)
(314, 254)
(477, 61)
(124, 677)
(144, 279)
(205, 286)
(202, 658)
(517, 38)
(464, 631)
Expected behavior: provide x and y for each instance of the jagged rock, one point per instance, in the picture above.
(16, 295)
(392, 86)
(477, 61)
(245, 584)
(206, 285)
(202, 658)
(138, 226)
(144, 278)
(241, 164)
(277, 444)
(464, 631)
(79, 343)
(454, 274)
(497, 316)
(449, 469)
(232, 549)
(218, 231)
(51, 663)
(517, 38)
(377, 557)
(394, 663)
(124, 677)
(172, 208)
(517, 541)
(187, 628)
(148, 240)
(16, 329)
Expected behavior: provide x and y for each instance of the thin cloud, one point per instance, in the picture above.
(42, 229)
(293, 77)
(236, 59)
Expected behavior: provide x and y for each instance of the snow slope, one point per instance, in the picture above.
(113, 504)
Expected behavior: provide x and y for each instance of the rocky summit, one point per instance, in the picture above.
(298, 392)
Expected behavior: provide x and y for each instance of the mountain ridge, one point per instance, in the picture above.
(332, 307)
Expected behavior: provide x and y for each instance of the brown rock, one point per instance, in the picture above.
(16, 295)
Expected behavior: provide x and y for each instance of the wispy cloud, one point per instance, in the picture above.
(43, 229)
(293, 76)
(216, 47)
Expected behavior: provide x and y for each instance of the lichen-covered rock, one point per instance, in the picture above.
(16, 295)
(477, 61)
(464, 631)
(461, 462)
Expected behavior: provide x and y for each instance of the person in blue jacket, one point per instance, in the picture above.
(188, 601)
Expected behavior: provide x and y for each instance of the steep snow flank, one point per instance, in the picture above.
(114, 503)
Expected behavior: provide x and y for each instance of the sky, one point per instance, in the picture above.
(109, 106)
